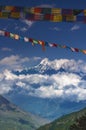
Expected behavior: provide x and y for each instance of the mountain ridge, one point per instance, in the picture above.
(12, 117)
(62, 65)
(64, 122)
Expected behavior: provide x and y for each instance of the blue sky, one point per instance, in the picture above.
(70, 34)
(18, 54)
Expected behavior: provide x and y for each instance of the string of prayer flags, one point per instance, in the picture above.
(42, 10)
(40, 42)
(43, 14)
(43, 17)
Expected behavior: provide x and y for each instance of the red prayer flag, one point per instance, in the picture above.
(7, 34)
(30, 40)
(37, 10)
(76, 49)
(54, 45)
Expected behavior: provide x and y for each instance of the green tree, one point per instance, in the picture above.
(80, 124)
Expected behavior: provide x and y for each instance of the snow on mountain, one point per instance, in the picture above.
(47, 66)
(68, 65)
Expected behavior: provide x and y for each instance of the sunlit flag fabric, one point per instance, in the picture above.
(39, 42)
(42, 10)
(43, 14)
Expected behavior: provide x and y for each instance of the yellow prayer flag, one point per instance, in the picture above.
(9, 8)
(70, 18)
(15, 15)
(56, 11)
(4, 14)
(32, 10)
(84, 12)
(57, 18)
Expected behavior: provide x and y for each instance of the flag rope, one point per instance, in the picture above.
(40, 42)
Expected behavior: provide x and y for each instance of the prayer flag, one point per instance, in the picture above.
(26, 39)
(57, 18)
(16, 36)
(15, 15)
(2, 33)
(56, 11)
(67, 12)
(37, 10)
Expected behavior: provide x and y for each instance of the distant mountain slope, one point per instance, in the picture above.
(64, 122)
(13, 118)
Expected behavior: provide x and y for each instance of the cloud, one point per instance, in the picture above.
(23, 29)
(23, 25)
(28, 24)
(16, 62)
(75, 27)
(61, 85)
(47, 92)
(13, 62)
(67, 85)
(36, 58)
(65, 79)
(6, 49)
(5, 88)
(55, 28)
(21, 84)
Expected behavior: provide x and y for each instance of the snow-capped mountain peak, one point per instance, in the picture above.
(47, 66)
(61, 64)
(43, 65)
(45, 61)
